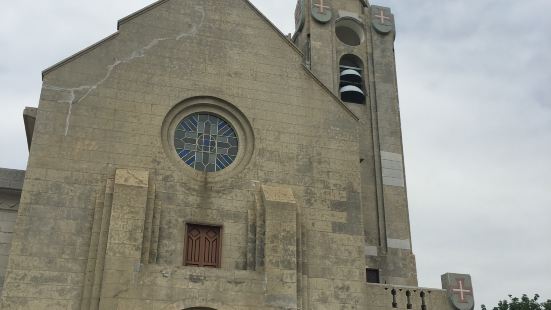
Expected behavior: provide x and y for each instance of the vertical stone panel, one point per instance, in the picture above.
(94, 255)
(126, 230)
(149, 228)
(281, 246)
(156, 225)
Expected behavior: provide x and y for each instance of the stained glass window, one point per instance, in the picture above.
(206, 142)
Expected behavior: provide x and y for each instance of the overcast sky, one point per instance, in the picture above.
(475, 89)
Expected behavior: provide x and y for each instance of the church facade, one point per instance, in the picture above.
(200, 159)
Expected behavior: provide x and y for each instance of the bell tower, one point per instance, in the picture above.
(349, 46)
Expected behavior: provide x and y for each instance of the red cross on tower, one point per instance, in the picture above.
(321, 6)
(461, 291)
(382, 16)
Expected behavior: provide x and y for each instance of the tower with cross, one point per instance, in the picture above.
(353, 56)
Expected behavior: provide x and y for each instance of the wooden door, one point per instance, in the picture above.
(202, 248)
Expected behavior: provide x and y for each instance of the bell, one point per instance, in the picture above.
(351, 93)
(350, 75)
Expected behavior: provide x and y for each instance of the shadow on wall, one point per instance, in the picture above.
(187, 305)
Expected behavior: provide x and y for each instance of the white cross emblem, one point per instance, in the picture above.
(321, 6)
(382, 16)
(461, 291)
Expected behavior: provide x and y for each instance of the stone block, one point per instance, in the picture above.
(132, 177)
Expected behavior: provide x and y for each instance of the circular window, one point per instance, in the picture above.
(208, 138)
(206, 142)
(349, 32)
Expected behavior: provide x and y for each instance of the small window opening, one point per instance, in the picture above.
(373, 276)
(349, 32)
(203, 246)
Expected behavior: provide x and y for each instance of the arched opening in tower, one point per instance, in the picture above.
(351, 79)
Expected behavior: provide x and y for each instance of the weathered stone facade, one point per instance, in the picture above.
(315, 196)
(11, 184)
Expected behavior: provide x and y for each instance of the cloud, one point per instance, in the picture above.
(473, 80)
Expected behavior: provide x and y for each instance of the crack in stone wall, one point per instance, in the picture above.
(72, 93)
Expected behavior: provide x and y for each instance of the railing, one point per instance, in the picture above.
(407, 297)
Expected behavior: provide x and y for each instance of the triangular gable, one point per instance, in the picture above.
(146, 9)
(247, 2)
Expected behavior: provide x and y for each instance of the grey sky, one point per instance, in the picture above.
(475, 89)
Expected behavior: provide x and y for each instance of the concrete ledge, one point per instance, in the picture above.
(12, 179)
(29, 117)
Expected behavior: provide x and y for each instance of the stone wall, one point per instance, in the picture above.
(11, 183)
